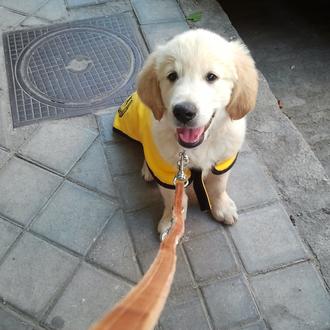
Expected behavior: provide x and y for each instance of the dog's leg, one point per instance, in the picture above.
(147, 176)
(168, 198)
(223, 208)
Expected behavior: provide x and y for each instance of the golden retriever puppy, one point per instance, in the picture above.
(198, 87)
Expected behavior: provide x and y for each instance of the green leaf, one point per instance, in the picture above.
(195, 17)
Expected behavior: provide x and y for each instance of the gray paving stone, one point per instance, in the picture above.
(143, 228)
(230, 303)
(82, 3)
(135, 193)
(198, 222)
(32, 21)
(124, 158)
(106, 9)
(293, 298)
(33, 272)
(92, 170)
(74, 217)
(12, 19)
(257, 326)
(211, 256)
(245, 147)
(58, 145)
(4, 156)
(114, 250)
(87, 297)
(183, 312)
(10, 322)
(182, 278)
(260, 325)
(8, 234)
(28, 6)
(248, 184)
(265, 239)
(25, 188)
(157, 11)
(53, 10)
(85, 122)
(158, 34)
(104, 122)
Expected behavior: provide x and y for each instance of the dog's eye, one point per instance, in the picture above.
(210, 77)
(173, 76)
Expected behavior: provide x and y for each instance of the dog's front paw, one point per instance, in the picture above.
(147, 176)
(164, 225)
(224, 210)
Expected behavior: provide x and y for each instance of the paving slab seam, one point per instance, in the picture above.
(63, 247)
(22, 13)
(7, 307)
(25, 228)
(37, 320)
(44, 20)
(11, 221)
(52, 302)
(259, 206)
(246, 281)
(11, 155)
(244, 273)
(268, 270)
(232, 247)
(284, 266)
(139, 264)
(43, 207)
(197, 288)
(138, 23)
(4, 148)
(113, 199)
(66, 177)
(84, 258)
(50, 169)
(38, 8)
(94, 242)
(259, 302)
(310, 254)
(315, 261)
(44, 314)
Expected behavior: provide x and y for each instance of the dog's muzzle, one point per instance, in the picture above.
(191, 137)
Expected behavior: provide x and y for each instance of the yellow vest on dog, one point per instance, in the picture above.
(133, 119)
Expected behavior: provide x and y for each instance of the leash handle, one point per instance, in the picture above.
(141, 308)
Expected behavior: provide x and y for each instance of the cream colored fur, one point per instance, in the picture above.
(192, 55)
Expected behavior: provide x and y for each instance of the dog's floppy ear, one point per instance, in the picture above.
(148, 88)
(244, 94)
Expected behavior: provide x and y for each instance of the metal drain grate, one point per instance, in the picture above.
(72, 69)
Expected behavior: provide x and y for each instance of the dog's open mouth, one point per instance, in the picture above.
(190, 137)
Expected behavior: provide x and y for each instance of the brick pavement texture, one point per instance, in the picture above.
(78, 223)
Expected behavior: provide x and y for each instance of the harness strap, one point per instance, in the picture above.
(200, 190)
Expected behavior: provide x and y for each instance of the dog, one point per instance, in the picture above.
(192, 94)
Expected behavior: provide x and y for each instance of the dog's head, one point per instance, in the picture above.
(196, 78)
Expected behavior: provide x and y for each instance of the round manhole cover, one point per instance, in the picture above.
(76, 67)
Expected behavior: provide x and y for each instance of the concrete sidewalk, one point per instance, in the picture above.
(78, 223)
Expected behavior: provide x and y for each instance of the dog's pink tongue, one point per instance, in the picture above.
(190, 135)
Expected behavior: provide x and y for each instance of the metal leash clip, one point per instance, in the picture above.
(182, 163)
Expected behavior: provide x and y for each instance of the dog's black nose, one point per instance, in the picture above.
(184, 112)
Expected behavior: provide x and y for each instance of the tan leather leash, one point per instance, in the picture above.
(141, 308)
